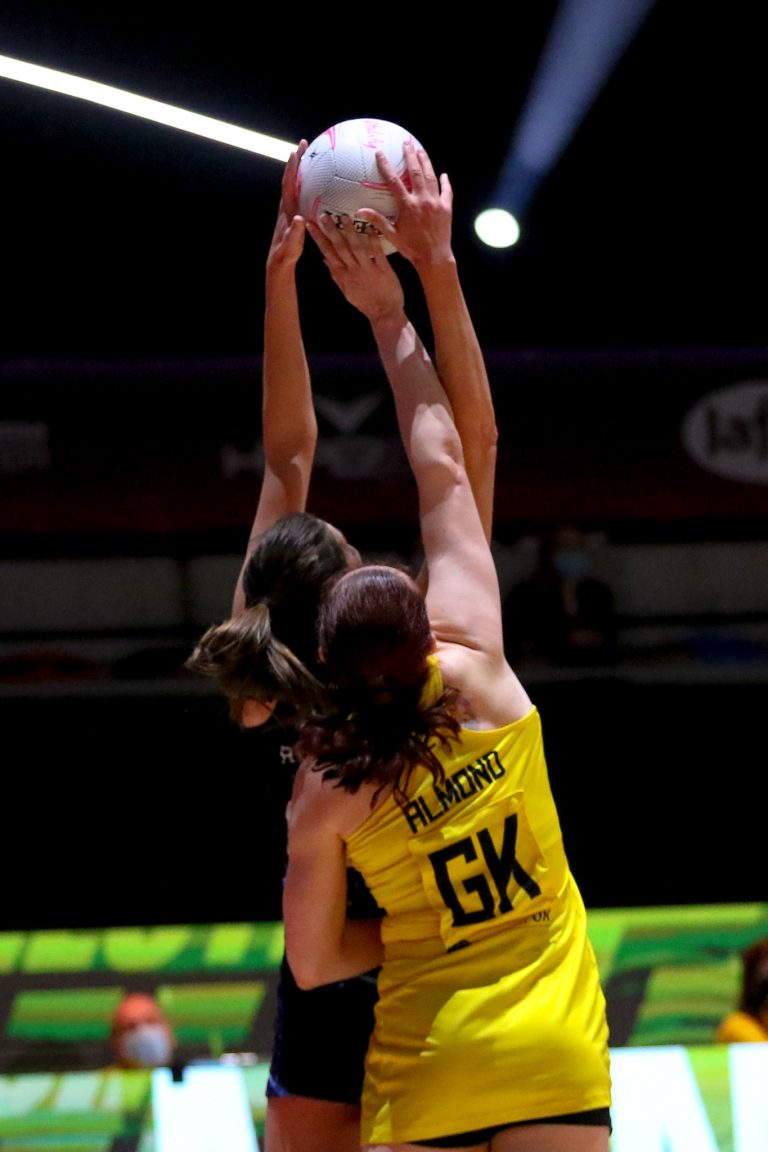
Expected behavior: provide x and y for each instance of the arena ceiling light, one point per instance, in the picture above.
(586, 40)
(155, 110)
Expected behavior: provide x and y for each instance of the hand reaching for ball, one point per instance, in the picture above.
(422, 232)
(288, 234)
(359, 266)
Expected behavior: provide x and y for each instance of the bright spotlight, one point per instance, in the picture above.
(497, 228)
(585, 42)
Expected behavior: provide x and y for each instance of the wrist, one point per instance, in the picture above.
(389, 319)
(280, 272)
(435, 262)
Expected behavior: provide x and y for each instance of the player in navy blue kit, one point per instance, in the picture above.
(321, 1036)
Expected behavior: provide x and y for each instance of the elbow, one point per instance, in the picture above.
(479, 429)
(310, 966)
(309, 974)
(307, 984)
(486, 436)
(291, 456)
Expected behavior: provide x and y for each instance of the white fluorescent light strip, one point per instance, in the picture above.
(155, 110)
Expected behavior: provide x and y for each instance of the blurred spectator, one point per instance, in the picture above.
(563, 613)
(749, 1022)
(141, 1034)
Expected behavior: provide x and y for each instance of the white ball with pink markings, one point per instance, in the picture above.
(338, 172)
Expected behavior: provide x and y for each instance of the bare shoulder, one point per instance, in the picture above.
(488, 683)
(323, 804)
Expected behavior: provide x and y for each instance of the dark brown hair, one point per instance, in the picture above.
(269, 652)
(375, 639)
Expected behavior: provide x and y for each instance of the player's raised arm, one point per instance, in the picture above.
(422, 234)
(289, 424)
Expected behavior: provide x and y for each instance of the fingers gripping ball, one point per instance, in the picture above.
(338, 172)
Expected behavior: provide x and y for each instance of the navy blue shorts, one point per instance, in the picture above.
(321, 1038)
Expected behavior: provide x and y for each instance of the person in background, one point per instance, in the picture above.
(749, 1021)
(141, 1034)
(321, 1035)
(563, 613)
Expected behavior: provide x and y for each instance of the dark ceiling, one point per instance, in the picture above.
(121, 237)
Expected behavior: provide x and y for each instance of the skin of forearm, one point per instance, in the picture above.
(288, 415)
(461, 366)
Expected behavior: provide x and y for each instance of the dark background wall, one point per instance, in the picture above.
(153, 810)
(128, 489)
(97, 453)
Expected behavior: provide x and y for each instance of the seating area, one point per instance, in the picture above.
(693, 610)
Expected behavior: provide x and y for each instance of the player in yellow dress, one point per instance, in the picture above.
(320, 1038)
(427, 773)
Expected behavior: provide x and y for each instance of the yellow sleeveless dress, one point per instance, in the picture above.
(490, 1008)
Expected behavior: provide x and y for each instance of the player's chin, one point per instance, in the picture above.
(256, 713)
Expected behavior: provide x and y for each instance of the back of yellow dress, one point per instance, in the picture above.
(490, 1008)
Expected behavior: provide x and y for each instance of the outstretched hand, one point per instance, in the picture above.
(359, 266)
(288, 235)
(422, 233)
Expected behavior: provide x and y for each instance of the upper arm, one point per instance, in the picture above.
(315, 887)
(463, 598)
(462, 595)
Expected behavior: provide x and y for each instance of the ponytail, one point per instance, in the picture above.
(247, 661)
